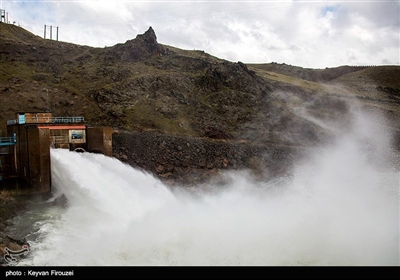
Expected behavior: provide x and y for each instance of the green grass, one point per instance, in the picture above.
(143, 115)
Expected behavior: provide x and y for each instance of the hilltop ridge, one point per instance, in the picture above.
(309, 74)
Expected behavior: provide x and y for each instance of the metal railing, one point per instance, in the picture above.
(5, 141)
(37, 119)
(68, 119)
(49, 120)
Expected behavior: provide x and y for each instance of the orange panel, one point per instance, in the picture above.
(63, 127)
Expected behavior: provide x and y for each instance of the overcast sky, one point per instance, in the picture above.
(312, 34)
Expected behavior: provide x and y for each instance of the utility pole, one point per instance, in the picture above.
(51, 32)
(3, 17)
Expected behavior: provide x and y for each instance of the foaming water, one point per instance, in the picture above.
(336, 209)
(117, 215)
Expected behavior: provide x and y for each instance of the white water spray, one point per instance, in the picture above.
(335, 210)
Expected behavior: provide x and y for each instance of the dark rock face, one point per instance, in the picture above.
(149, 37)
(232, 75)
(9, 207)
(190, 161)
(143, 47)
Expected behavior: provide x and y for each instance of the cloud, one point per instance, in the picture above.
(314, 34)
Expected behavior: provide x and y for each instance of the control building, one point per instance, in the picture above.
(25, 153)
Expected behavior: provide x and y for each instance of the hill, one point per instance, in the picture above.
(146, 89)
(314, 75)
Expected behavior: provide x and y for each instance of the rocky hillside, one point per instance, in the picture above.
(146, 90)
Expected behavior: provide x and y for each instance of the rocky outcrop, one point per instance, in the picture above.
(190, 161)
(143, 47)
(9, 207)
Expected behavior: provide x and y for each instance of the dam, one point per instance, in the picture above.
(25, 152)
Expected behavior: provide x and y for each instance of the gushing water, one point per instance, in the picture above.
(335, 210)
